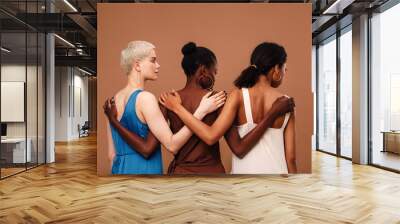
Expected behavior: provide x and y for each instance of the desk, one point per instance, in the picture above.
(13, 150)
(391, 141)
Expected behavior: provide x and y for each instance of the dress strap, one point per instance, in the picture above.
(247, 105)
(131, 104)
(287, 116)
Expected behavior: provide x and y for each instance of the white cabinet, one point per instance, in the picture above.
(16, 147)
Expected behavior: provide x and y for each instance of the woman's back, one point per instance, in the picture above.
(268, 155)
(195, 156)
(261, 100)
(127, 160)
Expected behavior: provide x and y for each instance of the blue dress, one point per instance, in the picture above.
(127, 160)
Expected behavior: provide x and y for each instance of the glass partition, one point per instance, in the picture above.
(385, 89)
(327, 96)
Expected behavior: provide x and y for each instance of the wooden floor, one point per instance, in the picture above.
(387, 159)
(5, 172)
(69, 191)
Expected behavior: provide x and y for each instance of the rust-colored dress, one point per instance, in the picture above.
(195, 157)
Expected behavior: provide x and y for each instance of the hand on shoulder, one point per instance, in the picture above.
(282, 105)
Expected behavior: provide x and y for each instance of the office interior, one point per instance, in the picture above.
(45, 97)
(48, 79)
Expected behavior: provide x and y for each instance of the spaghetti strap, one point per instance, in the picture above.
(247, 105)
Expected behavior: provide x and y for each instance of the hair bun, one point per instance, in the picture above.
(189, 48)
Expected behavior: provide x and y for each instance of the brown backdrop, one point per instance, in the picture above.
(230, 30)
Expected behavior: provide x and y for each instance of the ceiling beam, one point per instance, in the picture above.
(84, 24)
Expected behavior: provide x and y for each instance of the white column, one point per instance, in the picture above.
(50, 99)
(360, 90)
(314, 92)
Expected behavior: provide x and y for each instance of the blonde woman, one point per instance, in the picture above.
(138, 111)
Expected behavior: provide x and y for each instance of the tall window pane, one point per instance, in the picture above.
(31, 98)
(41, 98)
(385, 89)
(346, 94)
(327, 96)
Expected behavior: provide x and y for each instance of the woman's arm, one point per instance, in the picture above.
(160, 128)
(290, 146)
(110, 148)
(147, 146)
(211, 134)
(241, 146)
(144, 146)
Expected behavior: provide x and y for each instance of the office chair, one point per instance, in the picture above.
(84, 130)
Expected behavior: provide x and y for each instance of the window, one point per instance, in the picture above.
(327, 96)
(385, 89)
(346, 93)
(22, 64)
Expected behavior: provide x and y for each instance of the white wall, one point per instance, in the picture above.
(33, 127)
(314, 91)
(13, 73)
(71, 93)
(80, 97)
(61, 103)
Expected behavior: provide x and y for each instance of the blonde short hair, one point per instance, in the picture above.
(136, 50)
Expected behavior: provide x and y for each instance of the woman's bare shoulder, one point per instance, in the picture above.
(120, 97)
(235, 92)
(147, 98)
(235, 95)
(146, 94)
(276, 93)
(147, 104)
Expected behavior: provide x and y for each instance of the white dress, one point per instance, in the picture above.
(268, 155)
